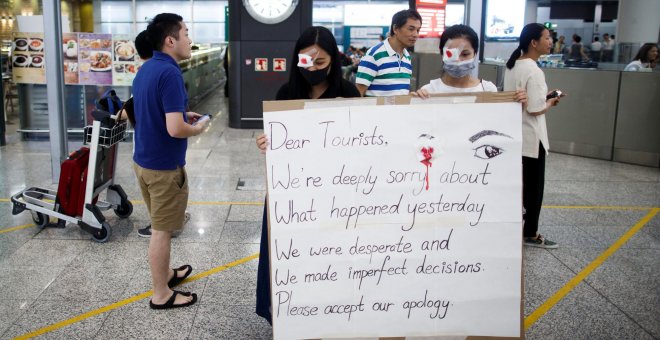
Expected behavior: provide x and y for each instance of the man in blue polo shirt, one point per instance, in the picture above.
(386, 69)
(161, 132)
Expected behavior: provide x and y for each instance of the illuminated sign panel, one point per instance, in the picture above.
(504, 20)
(433, 17)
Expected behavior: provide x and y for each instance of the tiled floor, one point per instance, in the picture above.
(53, 275)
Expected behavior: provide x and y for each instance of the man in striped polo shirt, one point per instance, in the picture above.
(386, 69)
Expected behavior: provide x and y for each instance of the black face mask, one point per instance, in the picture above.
(314, 77)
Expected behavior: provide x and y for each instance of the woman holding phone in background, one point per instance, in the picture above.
(522, 72)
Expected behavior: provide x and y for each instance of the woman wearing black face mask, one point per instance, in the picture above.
(322, 77)
(319, 76)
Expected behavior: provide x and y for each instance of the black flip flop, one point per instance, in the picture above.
(175, 280)
(170, 303)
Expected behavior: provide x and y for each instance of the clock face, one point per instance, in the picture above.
(270, 11)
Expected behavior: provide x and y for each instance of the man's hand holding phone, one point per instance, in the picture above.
(202, 119)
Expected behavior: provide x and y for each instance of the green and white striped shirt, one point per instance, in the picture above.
(384, 71)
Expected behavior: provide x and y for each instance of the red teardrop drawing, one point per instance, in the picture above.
(449, 54)
(427, 153)
(426, 150)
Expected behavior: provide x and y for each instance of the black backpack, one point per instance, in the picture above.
(109, 102)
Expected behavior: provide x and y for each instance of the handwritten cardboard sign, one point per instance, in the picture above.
(395, 220)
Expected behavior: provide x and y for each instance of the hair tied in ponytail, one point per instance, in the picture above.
(514, 56)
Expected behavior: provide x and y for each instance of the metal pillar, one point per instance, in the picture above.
(55, 81)
(3, 128)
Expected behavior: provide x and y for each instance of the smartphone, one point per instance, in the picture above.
(202, 118)
(554, 94)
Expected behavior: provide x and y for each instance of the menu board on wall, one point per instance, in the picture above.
(88, 58)
(27, 59)
(126, 60)
(433, 17)
(95, 59)
(70, 57)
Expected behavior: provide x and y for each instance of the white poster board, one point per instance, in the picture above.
(373, 234)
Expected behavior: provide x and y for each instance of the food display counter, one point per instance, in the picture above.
(607, 114)
(202, 73)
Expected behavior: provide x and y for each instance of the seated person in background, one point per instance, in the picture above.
(645, 60)
(459, 45)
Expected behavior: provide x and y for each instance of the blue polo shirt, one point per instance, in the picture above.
(158, 88)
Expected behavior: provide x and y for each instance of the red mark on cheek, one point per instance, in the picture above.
(449, 54)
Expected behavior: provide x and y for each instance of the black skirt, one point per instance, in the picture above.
(263, 273)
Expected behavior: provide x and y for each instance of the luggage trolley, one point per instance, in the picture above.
(102, 137)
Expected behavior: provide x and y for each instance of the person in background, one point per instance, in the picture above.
(161, 133)
(145, 49)
(559, 46)
(607, 48)
(522, 72)
(386, 69)
(319, 77)
(553, 33)
(459, 45)
(576, 51)
(645, 59)
(596, 47)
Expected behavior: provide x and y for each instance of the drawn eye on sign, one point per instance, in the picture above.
(487, 150)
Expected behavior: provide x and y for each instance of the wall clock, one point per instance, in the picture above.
(270, 11)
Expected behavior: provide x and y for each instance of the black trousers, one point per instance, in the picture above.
(263, 272)
(533, 183)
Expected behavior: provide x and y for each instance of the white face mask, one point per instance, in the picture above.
(456, 68)
(460, 69)
(452, 64)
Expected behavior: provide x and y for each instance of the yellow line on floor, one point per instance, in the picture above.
(561, 293)
(4, 199)
(2, 231)
(130, 300)
(597, 207)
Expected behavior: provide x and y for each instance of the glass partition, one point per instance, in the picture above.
(147, 9)
(208, 24)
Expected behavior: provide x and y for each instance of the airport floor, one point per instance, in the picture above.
(602, 282)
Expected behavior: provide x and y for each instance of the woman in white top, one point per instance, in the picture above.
(646, 56)
(522, 72)
(459, 45)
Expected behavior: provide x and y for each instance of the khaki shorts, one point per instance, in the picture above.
(165, 193)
